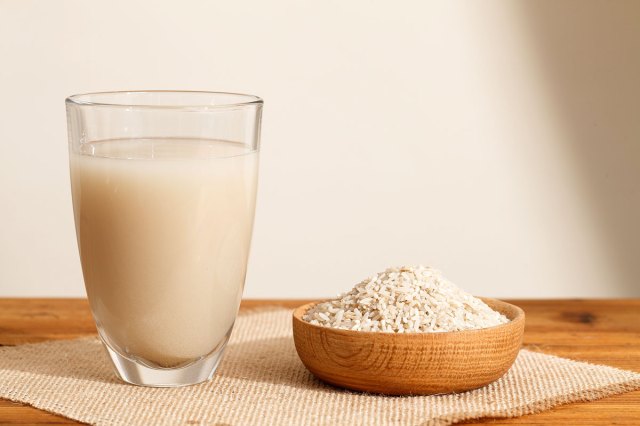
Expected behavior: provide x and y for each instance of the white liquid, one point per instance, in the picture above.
(164, 229)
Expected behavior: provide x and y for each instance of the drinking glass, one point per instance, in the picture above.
(164, 187)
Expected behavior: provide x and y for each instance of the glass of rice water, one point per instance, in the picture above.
(164, 188)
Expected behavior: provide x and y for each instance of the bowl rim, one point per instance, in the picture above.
(518, 318)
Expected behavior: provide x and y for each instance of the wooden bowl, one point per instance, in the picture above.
(411, 363)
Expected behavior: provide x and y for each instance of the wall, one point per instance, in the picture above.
(498, 141)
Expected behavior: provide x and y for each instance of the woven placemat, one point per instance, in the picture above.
(262, 381)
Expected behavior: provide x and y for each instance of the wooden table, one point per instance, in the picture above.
(600, 331)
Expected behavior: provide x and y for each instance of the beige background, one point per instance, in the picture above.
(498, 141)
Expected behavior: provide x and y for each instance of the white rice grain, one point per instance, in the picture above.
(405, 300)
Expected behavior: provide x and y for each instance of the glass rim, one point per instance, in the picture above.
(82, 99)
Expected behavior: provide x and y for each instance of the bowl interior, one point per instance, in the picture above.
(512, 312)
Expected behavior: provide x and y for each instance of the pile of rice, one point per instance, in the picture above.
(405, 300)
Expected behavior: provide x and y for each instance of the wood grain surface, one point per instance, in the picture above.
(598, 331)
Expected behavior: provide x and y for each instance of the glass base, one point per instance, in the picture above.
(139, 374)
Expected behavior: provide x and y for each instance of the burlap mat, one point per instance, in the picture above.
(262, 381)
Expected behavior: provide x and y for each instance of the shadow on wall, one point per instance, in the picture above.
(589, 54)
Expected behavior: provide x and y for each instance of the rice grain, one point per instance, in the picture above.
(405, 300)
